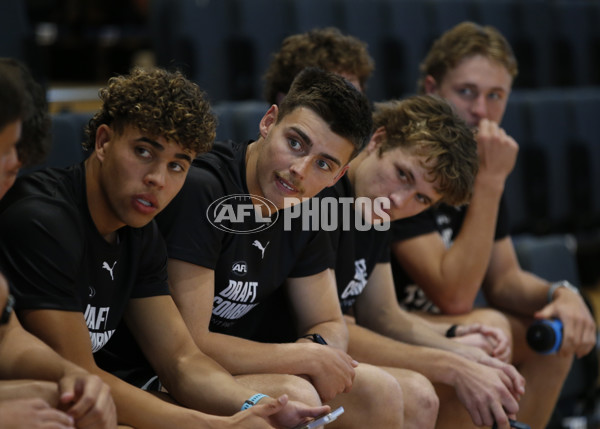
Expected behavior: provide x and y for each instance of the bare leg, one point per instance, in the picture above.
(421, 403)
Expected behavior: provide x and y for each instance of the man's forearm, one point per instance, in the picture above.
(369, 347)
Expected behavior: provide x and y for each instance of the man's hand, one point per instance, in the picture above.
(497, 151)
(330, 370)
(490, 393)
(579, 328)
(294, 413)
(32, 414)
(87, 399)
(490, 339)
(271, 413)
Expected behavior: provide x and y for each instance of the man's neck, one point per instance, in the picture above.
(97, 202)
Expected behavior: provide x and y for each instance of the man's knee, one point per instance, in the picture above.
(420, 391)
(494, 318)
(378, 388)
(300, 389)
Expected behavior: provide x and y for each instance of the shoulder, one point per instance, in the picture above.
(49, 197)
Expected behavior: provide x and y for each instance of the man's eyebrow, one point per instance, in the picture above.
(161, 148)
(309, 143)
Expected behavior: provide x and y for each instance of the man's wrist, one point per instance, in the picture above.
(451, 332)
(315, 338)
(253, 400)
(561, 284)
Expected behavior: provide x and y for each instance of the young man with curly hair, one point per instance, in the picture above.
(86, 259)
(326, 48)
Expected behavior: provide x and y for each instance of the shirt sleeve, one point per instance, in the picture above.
(317, 256)
(41, 248)
(423, 223)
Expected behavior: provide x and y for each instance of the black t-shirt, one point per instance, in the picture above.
(357, 251)
(447, 221)
(55, 258)
(249, 266)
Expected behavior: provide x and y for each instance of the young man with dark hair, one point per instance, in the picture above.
(38, 387)
(223, 268)
(86, 259)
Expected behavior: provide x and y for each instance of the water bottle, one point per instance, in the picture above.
(545, 335)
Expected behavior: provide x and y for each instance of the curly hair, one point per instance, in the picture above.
(159, 103)
(345, 109)
(462, 41)
(427, 126)
(325, 48)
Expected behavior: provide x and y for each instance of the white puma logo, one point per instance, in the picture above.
(109, 268)
(260, 246)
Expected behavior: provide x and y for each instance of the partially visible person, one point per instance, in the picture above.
(447, 255)
(38, 388)
(85, 258)
(222, 269)
(326, 48)
(420, 155)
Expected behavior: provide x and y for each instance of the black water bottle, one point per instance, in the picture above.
(545, 335)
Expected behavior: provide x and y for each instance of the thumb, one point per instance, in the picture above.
(67, 388)
(545, 313)
(272, 407)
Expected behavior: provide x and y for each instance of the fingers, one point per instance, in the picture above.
(498, 415)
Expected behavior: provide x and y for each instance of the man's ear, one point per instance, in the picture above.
(377, 139)
(268, 120)
(430, 85)
(340, 174)
(104, 135)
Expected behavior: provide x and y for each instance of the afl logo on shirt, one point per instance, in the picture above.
(239, 268)
(242, 213)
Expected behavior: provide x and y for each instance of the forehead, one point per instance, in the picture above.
(133, 133)
(481, 72)
(309, 124)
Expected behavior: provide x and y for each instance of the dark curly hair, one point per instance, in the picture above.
(159, 103)
(427, 126)
(325, 48)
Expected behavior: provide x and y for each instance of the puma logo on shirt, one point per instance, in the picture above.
(258, 244)
(109, 268)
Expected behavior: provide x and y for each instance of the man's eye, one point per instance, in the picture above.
(294, 144)
(402, 175)
(323, 165)
(422, 199)
(175, 166)
(143, 152)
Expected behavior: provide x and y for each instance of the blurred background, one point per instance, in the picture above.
(74, 46)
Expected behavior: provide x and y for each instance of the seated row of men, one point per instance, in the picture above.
(250, 284)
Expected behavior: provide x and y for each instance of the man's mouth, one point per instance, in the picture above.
(144, 202)
(286, 184)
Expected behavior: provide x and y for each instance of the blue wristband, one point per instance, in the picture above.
(252, 401)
